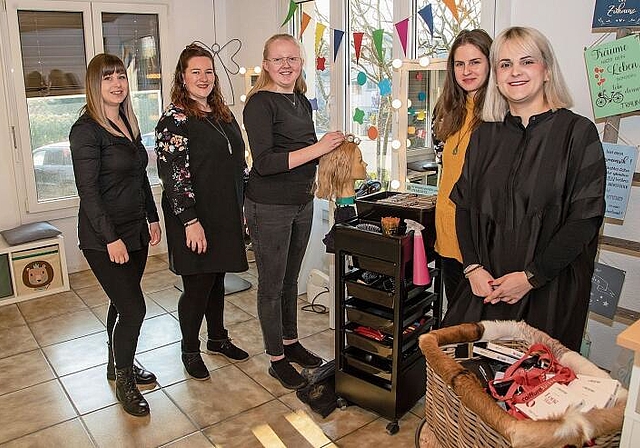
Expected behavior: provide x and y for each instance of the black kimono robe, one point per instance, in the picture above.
(202, 178)
(532, 198)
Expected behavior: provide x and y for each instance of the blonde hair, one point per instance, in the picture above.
(534, 43)
(102, 65)
(334, 170)
(264, 79)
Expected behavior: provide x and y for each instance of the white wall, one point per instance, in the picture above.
(567, 24)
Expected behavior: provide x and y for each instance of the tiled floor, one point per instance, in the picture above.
(54, 393)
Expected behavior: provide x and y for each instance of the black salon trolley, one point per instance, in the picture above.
(379, 316)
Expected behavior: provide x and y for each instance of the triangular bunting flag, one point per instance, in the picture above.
(402, 28)
(320, 27)
(377, 41)
(337, 40)
(427, 15)
(306, 18)
(292, 9)
(357, 43)
(451, 4)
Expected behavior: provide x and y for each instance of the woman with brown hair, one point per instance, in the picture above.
(201, 164)
(116, 203)
(457, 114)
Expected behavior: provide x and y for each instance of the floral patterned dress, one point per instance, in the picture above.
(202, 178)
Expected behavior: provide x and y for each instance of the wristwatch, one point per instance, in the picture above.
(531, 278)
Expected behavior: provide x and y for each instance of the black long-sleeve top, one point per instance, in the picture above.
(116, 201)
(533, 198)
(275, 127)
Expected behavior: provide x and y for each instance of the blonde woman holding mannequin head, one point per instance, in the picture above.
(279, 198)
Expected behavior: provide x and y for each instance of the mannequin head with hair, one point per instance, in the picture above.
(339, 169)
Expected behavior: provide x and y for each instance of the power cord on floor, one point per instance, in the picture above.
(314, 307)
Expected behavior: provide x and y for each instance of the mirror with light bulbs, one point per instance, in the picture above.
(420, 84)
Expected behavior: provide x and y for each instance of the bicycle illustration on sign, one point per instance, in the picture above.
(604, 99)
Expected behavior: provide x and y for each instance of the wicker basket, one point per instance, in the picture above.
(460, 414)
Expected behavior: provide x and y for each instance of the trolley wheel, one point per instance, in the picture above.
(393, 427)
(342, 404)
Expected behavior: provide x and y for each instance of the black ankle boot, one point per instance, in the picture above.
(141, 376)
(128, 394)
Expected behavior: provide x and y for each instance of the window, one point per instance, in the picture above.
(54, 42)
(365, 106)
(446, 27)
(370, 79)
(318, 61)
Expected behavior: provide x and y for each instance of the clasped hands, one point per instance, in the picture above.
(509, 288)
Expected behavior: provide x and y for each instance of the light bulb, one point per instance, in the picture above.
(257, 69)
(242, 70)
(396, 63)
(396, 104)
(424, 61)
(396, 144)
(408, 143)
(395, 184)
(409, 103)
(243, 98)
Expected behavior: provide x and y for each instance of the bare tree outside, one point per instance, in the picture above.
(446, 27)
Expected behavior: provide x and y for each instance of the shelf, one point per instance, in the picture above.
(381, 367)
(34, 269)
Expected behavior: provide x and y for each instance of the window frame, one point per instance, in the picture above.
(92, 32)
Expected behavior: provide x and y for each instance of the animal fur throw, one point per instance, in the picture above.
(573, 428)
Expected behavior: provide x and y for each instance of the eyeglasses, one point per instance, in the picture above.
(352, 139)
(293, 60)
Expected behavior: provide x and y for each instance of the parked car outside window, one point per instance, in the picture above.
(54, 169)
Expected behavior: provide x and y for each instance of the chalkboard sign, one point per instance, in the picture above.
(616, 14)
(606, 286)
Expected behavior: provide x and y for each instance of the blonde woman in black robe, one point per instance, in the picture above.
(530, 199)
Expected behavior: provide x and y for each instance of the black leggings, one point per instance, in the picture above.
(203, 296)
(121, 283)
(452, 276)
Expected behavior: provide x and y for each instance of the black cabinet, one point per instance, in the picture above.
(379, 315)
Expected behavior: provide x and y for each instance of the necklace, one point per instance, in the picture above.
(460, 138)
(293, 103)
(221, 132)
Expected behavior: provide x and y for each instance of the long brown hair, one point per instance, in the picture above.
(180, 96)
(264, 79)
(451, 109)
(102, 65)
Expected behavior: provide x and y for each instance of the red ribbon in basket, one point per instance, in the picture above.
(527, 382)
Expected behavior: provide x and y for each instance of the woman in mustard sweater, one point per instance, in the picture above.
(457, 114)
